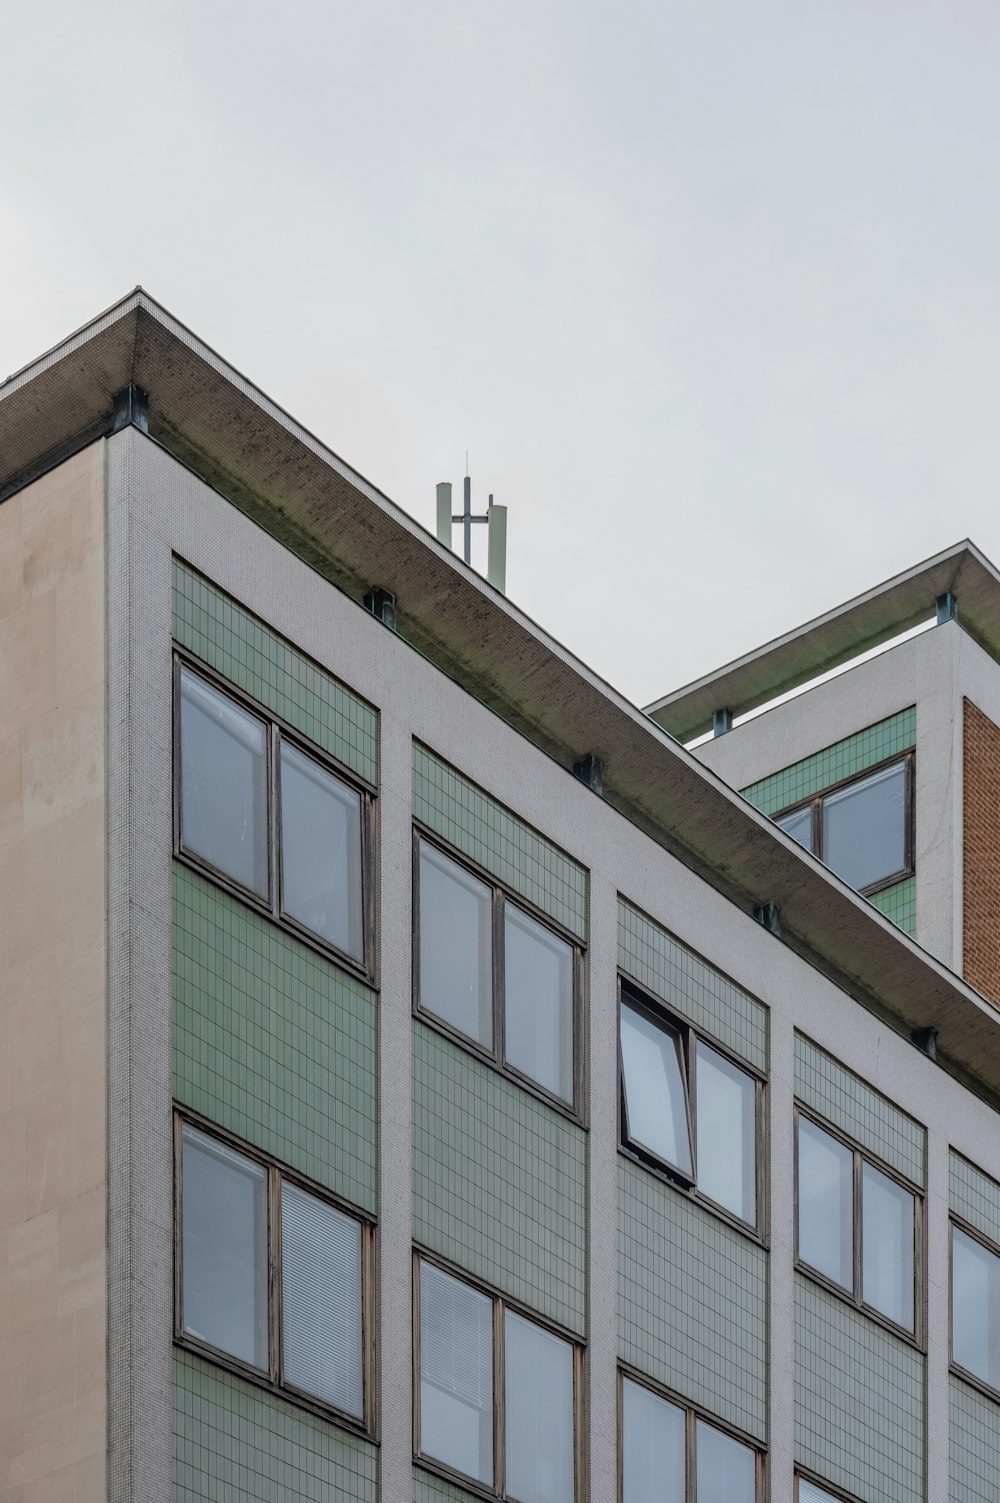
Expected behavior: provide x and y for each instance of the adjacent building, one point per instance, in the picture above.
(422, 1078)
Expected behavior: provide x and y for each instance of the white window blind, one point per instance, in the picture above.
(456, 1374)
(321, 1300)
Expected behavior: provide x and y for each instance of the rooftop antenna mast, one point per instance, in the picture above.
(495, 518)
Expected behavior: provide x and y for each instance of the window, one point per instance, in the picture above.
(808, 1492)
(495, 974)
(658, 1436)
(975, 1307)
(496, 1400)
(856, 1225)
(862, 830)
(245, 1230)
(297, 848)
(688, 1108)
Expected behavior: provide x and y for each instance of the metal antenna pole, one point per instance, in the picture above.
(466, 518)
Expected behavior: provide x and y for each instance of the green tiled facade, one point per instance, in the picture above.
(689, 986)
(973, 1450)
(235, 1443)
(503, 845)
(692, 1300)
(899, 903)
(223, 634)
(974, 1196)
(859, 1400)
(860, 1112)
(272, 1041)
(499, 1181)
(844, 759)
(430, 1489)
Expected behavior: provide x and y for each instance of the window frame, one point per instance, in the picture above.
(272, 1378)
(974, 1235)
(692, 1414)
(276, 732)
(854, 1296)
(500, 896)
(501, 1304)
(836, 1494)
(689, 1037)
(815, 804)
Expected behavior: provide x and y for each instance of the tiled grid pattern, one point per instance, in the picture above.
(235, 1442)
(974, 1196)
(253, 657)
(662, 966)
(692, 1300)
(486, 832)
(873, 1122)
(499, 1181)
(430, 1489)
(973, 1445)
(834, 763)
(859, 1400)
(272, 1041)
(899, 903)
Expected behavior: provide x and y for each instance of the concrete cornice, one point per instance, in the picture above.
(213, 420)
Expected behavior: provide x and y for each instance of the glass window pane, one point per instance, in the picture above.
(321, 1300)
(727, 1133)
(810, 1493)
(798, 825)
(887, 1253)
(456, 1374)
(224, 1221)
(456, 946)
(652, 1447)
(321, 852)
(826, 1204)
(654, 1088)
(864, 828)
(223, 783)
(538, 1001)
(975, 1296)
(726, 1469)
(538, 1395)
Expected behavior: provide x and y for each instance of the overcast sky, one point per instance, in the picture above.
(709, 291)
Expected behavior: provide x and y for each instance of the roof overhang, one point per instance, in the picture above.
(213, 420)
(870, 619)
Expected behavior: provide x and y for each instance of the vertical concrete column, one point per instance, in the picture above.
(938, 1323)
(395, 1237)
(602, 1064)
(781, 1312)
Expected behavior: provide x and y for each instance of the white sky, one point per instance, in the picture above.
(710, 291)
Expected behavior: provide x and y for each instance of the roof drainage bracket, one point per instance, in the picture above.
(722, 722)
(382, 603)
(768, 915)
(590, 770)
(947, 608)
(130, 409)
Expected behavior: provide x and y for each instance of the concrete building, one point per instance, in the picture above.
(421, 1077)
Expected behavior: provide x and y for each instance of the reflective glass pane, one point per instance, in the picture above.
(975, 1307)
(864, 828)
(727, 1133)
(538, 1001)
(652, 1447)
(456, 1374)
(456, 947)
(887, 1252)
(726, 1469)
(810, 1493)
(798, 825)
(826, 1204)
(321, 1300)
(538, 1395)
(655, 1102)
(321, 852)
(224, 1219)
(223, 784)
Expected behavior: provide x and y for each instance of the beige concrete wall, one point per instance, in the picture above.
(53, 1378)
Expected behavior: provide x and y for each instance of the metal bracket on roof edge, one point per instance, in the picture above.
(590, 770)
(926, 1041)
(722, 722)
(947, 608)
(130, 409)
(382, 603)
(769, 916)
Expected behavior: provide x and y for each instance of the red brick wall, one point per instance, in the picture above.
(981, 821)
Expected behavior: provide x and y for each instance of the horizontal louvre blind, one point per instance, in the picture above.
(321, 1300)
(456, 1338)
